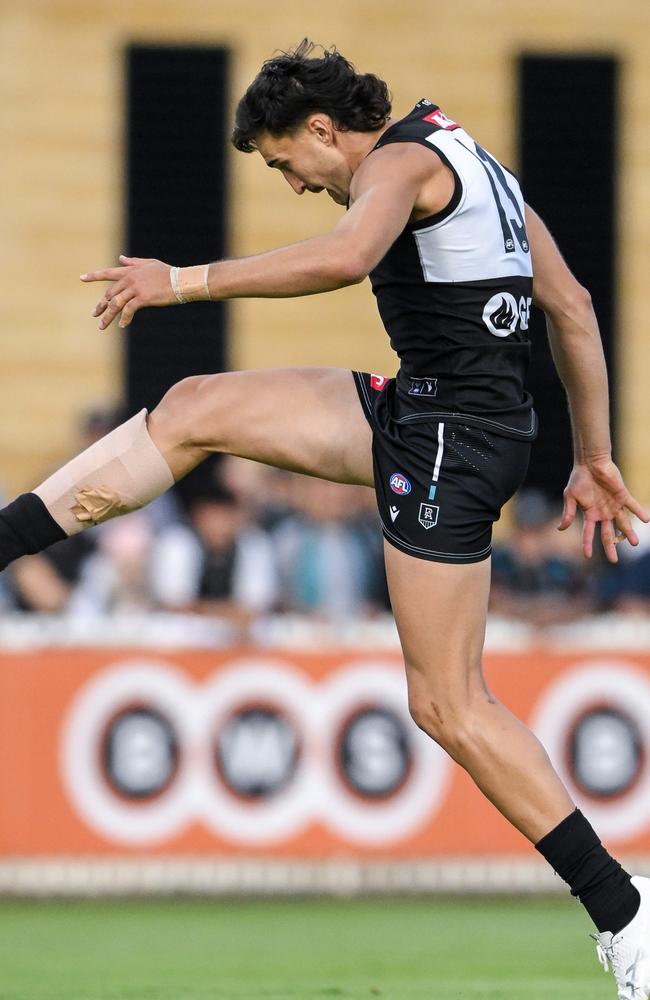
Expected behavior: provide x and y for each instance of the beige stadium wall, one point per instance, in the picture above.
(61, 108)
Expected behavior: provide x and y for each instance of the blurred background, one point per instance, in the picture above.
(207, 696)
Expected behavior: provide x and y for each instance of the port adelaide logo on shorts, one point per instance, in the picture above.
(428, 515)
(400, 484)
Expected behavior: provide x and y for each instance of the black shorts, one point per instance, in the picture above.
(440, 483)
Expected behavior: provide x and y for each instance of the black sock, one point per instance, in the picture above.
(26, 527)
(604, 888)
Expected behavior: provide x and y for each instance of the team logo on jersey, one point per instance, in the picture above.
(439, 118)
(428, 515)
(378, 382)
(400, 484)
(427, 386)
(503, 313)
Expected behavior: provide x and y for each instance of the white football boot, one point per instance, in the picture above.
(627, 953)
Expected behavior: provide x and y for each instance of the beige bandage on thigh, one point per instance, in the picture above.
(121, 472)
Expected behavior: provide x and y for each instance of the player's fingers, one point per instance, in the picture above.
(129, 312)
(118, 302)
(568, 513)
(129, 261)
(109, 294)
(115, 306)
(624, 529)
(107, 318)
(588, 530)
(106, 274)
(102, 305)
(637, 509)
(608, 538)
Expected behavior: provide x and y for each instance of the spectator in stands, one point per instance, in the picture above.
(218, 564)
(365, 520)
(262, 492)
(327, 552)
(625, 587)
(539, 574)
(116, 578)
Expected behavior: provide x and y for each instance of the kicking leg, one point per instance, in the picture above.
(308, 420)
(440, 610)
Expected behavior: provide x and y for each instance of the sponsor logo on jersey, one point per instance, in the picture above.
(439, 118)
(394, 511)
(400, 484)
(428, 515)
(427, 386)
(378, 382)
(502, 313)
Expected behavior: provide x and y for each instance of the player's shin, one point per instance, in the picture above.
(119, 473)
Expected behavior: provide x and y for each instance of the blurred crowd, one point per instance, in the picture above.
(238, 540)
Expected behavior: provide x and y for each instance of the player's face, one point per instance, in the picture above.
(309, 159)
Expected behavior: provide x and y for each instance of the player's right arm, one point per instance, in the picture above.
(595, 485)
(385, 189)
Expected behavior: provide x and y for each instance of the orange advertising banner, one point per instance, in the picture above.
(288, 754)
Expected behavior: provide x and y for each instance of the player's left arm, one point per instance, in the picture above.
(385, 189)
(595, 484)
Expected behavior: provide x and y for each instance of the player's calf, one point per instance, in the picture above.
(122, 472)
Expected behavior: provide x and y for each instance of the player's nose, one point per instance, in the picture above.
(298, 186)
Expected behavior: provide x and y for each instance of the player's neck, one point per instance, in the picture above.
(359, 144)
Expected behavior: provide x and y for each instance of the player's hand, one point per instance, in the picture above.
(597, 487)
(138, 282)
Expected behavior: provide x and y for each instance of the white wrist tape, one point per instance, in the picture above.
(190, 284)
(173, 277)
(121, 472)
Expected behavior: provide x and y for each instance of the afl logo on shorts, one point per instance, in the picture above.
(399, 484)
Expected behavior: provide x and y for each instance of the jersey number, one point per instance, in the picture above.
(509, 226)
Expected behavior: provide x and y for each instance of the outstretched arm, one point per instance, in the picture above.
(595, 484)
(386, 188)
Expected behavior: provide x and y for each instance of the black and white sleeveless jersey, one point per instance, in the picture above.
(454, 290)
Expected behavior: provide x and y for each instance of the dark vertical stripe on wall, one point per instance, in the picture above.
(568, 110)
(176, 203)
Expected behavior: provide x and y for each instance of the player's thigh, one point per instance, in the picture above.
(440, 610)
(307, 420)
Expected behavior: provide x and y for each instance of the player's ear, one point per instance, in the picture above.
(322, 127)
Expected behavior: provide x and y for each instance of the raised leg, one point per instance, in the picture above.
(308, 420)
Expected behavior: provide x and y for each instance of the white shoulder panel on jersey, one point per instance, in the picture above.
(484, 236)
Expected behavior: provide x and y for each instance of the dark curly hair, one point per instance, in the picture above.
(293, 85)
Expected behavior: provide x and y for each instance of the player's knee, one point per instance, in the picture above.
(449, 721)
(171, 416)
(189, 412)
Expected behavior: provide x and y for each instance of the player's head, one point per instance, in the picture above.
(299, 110)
